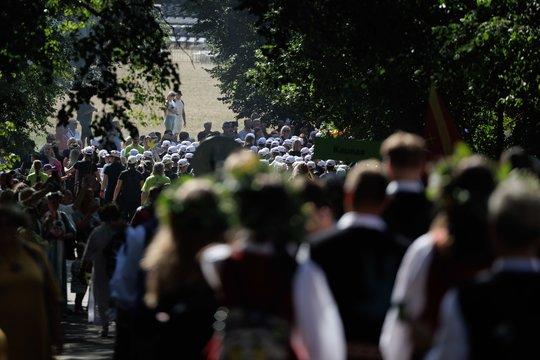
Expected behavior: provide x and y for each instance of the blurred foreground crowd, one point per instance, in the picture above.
(276, 255)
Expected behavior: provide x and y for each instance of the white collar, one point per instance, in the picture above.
(412, 186)
(356, 219)
(520, 264)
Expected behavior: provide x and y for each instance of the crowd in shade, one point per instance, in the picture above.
(275, 255)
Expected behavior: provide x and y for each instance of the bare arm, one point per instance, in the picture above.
(104, 185)
(117, 190)
(144, 196)
(70, 170)
(98, 178)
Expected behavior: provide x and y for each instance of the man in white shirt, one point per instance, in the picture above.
(353, 266)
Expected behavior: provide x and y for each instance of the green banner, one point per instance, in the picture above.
(346, 150)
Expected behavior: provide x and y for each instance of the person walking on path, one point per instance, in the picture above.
(94, 259)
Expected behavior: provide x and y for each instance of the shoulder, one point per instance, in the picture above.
(211, 261)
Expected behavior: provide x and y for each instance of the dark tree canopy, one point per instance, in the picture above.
(114, 50)
(364, 66)
(367, 66)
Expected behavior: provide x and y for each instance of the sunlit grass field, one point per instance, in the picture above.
(200, 95)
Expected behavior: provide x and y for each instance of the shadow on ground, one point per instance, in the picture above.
(82, 340)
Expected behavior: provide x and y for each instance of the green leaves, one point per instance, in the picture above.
(80, 49)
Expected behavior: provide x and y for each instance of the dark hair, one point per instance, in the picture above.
(110, 212)
(465, 204)
(11, 214)
(278, 220)
(367, 183)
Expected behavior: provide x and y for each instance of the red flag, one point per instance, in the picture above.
(440, 133)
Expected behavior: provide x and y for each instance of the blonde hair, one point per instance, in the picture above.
(73, 157)
(191, 219)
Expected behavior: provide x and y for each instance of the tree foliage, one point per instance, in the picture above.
(367, 66)
(114, 50)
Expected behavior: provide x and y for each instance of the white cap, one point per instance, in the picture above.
(289, 159)
(311, 164)
(138, 156)
(261, 141)
(281, 148)
(172, 149)
(330, 162)
(186, 143)
(175, 156)
(189, 155)
(281, 167)
(183, 162)
(275, 150)
(115, 153)
(278, 159)
(88, 150)
(191, 149)
(321, 163)
(264, 152)
(254, 149)
(165, 143)
(304, 151)
(132, 159)
(307, 157)
(148, 154)
(182, 148)
(133, 152)
(103, 153)
(195, 143)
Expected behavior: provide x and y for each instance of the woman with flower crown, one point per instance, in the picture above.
(190, 219)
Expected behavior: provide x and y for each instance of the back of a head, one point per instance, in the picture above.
(37, 164)
(190, 218)
(109, 213)
(13, 215)
(366, 184)
(514, 211)
(404, 150)
(158, 168)
(184, 135)
(474, 175)
(464, 202)
(268, 210)
(517, 158)
(194, 212)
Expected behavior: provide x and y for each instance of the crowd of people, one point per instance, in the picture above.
(279, 254)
